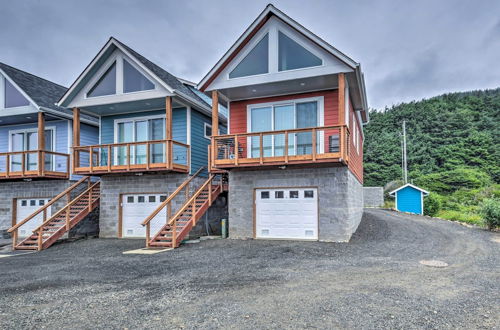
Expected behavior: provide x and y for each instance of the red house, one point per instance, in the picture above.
(294, 151)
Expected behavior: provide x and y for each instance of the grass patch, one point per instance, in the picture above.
(467, 217)
(389, 204)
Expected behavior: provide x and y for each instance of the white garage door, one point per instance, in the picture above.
(136, 208)
(290, 213)
(25, 207)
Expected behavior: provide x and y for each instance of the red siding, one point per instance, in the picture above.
(238, 116)
(355, 156)
(238, 122)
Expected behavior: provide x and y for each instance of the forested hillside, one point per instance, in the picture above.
(453, 143)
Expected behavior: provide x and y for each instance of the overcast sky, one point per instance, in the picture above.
(408, 49)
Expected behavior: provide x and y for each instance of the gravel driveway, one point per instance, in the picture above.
(374, 281)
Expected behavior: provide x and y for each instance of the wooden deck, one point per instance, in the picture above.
(309, 146)
(24, 165)
(146, 156)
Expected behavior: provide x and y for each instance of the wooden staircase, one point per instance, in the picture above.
(63, 220)
(178, 226)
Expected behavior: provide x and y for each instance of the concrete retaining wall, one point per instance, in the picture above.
(373, 196)
(340, 199)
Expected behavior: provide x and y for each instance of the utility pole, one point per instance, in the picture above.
(405, 166)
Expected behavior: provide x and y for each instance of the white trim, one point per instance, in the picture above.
(132, 119)
(409, 185)
(117, 58)
(205, 125)
(70, 136)
(421, 204)
(228, 125)
(188, 135)
(20, 90)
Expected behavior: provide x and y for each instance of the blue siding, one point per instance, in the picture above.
(89, 135)
(61, 139)
(409, 200)
(199, 144)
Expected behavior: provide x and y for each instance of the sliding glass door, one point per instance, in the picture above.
(283, 117)
(139, 131)
(26, 141)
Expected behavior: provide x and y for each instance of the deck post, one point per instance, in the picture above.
(168, 130)
(215, 113)
(41, 142)
(341, 100)
(76, 137)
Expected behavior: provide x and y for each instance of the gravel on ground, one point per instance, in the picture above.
(374, 281)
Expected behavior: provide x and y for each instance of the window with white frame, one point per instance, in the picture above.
(12, 96)
(301, 113)
(26, 140)
(255, 62)
(207, 131)
(275, 51)
(139, 130)
(120, 77)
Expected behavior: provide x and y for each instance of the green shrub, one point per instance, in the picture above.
(432, 204)
(490, 210)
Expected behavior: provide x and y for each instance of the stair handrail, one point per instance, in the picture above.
(170, 197)
(86, 192)
(191, 200)
(52, 201)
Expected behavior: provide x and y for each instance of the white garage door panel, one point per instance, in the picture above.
(136, 208)
(290, 213)
(26, 207)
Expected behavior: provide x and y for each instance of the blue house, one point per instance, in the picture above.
(154, 134)
(35, 147)
(409, 198)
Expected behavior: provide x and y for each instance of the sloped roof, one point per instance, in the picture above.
(411, 186)
(43, 92)
(269, 11)
(174, 83)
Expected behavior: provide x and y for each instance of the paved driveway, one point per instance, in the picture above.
(374, 281)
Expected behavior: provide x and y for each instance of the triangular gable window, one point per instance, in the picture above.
(106, 85)
(294, 56)
(13, 98)
(133, 80)
(256, 61)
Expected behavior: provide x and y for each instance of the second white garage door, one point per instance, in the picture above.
(290, 213)
(136, 208)
(26, 207)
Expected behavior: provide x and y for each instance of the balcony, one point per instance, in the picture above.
(25, 165)
(157, 155)
(317, 145)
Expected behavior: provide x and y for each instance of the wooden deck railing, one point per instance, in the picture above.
(43, 210)
(293, 146)
(167, 203)
(33, 164)
(142, 156)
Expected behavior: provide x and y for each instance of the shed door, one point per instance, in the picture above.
(25, 207)
(136, 208)
(290, 213)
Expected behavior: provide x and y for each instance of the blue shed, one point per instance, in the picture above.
(409, 198)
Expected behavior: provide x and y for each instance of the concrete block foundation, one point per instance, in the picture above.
(340, 199)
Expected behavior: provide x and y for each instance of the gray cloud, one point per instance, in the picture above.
(409, 50)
